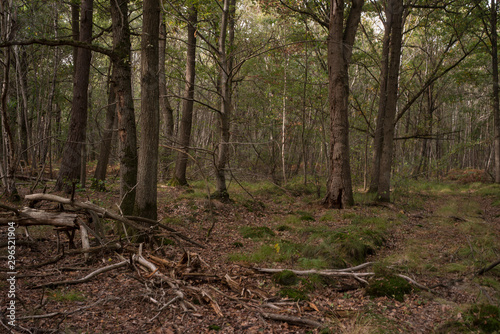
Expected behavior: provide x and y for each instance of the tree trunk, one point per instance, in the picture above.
(340, 42)
(187, 104)
(378, 140)
(395, 9)
(146, 197)
(122, 85)
(496, 98)
(71, 160)
(226, 41)
(166, 111)
(107, 136)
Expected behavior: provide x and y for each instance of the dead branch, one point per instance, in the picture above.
(342, 272)
(86, 206)
(28, 217)
(292, 319)
(328, 272)
(86, 278)
(173, 231)
(105, 213)
(488, 268)
(54, 314)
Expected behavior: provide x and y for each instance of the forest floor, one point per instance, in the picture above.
(437, 234)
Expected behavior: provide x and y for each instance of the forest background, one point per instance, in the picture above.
(241, 91)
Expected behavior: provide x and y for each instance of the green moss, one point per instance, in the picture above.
(284, 227)
(65, 295)
(484, 317)
(389, 286)
(285, 277)
(295, 294)
(256, 232)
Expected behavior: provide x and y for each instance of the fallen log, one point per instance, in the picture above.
(87, 206)
(30, 217)
(105, 213)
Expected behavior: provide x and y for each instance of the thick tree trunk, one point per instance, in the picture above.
(340, 41)
(122, 86)
(71, 161)
(146, 197)
(396, 10)
(226, 41)
(187, 104)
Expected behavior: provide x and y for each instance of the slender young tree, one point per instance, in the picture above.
(166, 110)
(71, 161)
(341, 38)
(188, 102)
(106, 141)
(226, 73)
(146, 195)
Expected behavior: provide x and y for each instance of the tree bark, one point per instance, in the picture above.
(122, 85)
(378, 140)
(146, 197)
(226, 41)
(166, 110)
(71, 161)
(188, 103)
(107, 136)
(495, 98)
(395, 9)
(340, 41)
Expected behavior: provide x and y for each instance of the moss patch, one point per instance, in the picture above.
(391, 286)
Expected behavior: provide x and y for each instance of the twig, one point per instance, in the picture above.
(86, 278)
(488, 268)
(54, 314)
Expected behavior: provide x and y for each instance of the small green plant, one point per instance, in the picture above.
(237, 244)
(98, 185)
(214, 327)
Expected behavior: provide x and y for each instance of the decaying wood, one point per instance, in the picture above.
(28, 217)
(85, 241)
(348, 272)
(108, 214)
(86, 206)
(292, 319)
